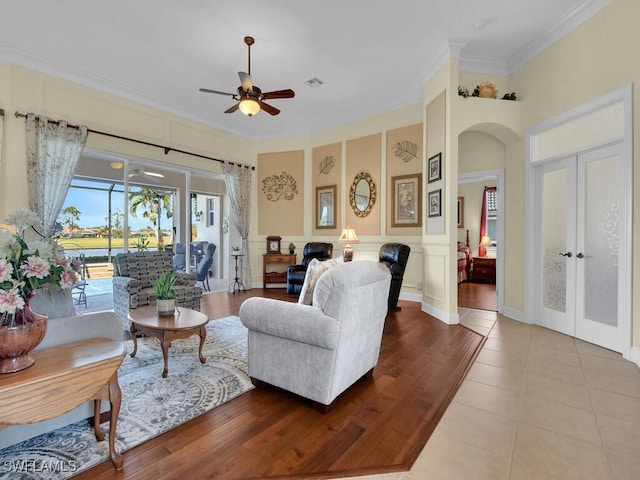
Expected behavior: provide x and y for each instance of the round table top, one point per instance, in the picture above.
(182, 319)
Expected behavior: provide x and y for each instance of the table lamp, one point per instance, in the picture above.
(348, 236)
(484, 243)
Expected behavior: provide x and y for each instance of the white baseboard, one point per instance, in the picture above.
(515, 315)
(634, 355)
(449, 319)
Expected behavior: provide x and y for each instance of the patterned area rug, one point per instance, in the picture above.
(151, 405)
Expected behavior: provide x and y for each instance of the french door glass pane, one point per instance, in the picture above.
(601, 240)
(554, 218)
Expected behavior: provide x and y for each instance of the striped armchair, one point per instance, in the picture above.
(134, 274)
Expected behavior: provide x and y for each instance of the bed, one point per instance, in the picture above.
(465, 260)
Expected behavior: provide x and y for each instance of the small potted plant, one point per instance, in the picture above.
(292, 248)
(165, 294)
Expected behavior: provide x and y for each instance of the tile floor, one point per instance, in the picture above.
(536, 404)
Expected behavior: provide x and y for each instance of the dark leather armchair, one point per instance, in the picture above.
(296, 273)
(395, 256)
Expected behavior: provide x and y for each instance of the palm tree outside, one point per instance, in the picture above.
(152, 202)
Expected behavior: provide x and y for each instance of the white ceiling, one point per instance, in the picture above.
(372, 55)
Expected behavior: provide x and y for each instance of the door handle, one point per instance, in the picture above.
(566, 254)
(580, 255)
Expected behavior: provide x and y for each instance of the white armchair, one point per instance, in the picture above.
(317, 351)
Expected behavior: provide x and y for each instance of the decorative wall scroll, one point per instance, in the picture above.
(406, 200)
(325, 207)
(280, 186)
(406, 150)
(326, 164)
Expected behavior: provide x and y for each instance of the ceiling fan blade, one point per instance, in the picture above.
(288, 93)
(245, 80)
(232, 109)
(206, 90)
(268, 108)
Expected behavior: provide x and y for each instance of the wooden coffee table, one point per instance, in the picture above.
(182, 324)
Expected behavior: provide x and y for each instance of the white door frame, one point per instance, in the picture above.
(498, 176)
(623, 96)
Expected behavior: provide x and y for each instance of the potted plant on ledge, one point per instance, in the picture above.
(292, 248)
(165, 294)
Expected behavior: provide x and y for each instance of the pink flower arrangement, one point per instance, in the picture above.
(28, 263)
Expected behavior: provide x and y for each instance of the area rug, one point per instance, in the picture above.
(151, 405)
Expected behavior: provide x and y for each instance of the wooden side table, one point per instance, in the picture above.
(182, 324)
(62, 378)
(484, 269)
(276, 258)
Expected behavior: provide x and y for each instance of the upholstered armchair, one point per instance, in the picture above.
(133, 277)
(395, 257)
(202, 270)
(317, 351)
(296, 273)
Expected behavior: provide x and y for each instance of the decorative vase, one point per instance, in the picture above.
(487, 90)
(18, 337)
(166, 307)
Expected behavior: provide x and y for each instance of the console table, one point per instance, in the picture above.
(276, 258)
(62, 378)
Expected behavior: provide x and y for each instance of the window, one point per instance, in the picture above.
(211, 211)
(492, 215)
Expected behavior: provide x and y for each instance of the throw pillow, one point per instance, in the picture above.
(315, 269)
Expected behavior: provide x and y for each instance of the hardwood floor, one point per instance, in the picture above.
(379, 425)
(477, 295)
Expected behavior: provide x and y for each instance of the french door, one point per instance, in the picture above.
(579, 226)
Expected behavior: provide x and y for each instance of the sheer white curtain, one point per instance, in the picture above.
(53, 151)
(238, 181)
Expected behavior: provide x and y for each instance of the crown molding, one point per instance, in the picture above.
(451, 49)
(484, 65)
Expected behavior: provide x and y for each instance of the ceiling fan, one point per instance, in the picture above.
(249, 97)
(140, 172)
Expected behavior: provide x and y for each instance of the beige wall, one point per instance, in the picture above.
(322, 175)
(281, 215)
(364, 154)
(397, 166)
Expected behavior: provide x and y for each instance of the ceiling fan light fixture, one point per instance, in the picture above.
(249, 106)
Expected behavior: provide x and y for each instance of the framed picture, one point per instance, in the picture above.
(325, 207)
(460, 212)
(435, 168)
(273, 245)
(406, 192)
(434, 201)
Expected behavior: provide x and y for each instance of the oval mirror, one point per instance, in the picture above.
(362, 194)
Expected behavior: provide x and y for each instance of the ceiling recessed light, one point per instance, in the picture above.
(117, 165)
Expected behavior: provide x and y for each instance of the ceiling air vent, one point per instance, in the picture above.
(314, 82)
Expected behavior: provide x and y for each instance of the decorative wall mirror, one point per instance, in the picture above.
(362, 194)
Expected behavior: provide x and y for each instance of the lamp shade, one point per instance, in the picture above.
(249, 107)
(485, 242)
(348, 236)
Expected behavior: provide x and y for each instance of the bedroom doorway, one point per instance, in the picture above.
(485, 291)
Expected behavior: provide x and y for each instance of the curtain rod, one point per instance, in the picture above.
(135, 140)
